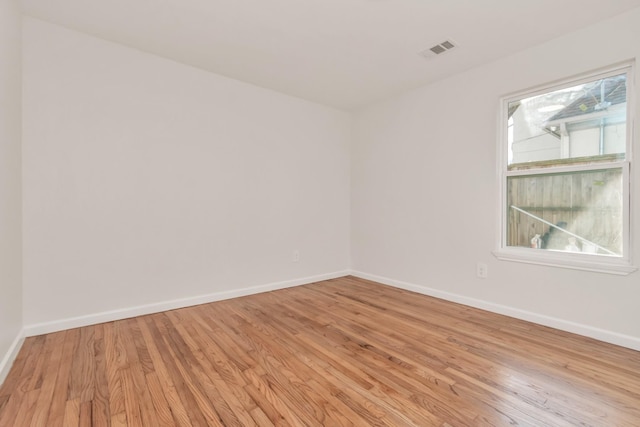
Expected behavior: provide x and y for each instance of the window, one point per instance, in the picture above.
(565, 154)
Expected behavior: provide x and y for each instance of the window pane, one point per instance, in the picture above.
(585, 122)
(574, 212)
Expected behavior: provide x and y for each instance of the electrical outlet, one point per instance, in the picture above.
(482, 270)
(295, 256)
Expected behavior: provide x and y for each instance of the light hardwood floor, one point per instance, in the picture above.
(344, 352)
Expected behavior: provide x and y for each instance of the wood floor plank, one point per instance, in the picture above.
(223, 383)
(162, 388)
(71, 413)
(100, 413)
(50, 379)
(140, 406)
(55, 411)
(271, 401)
(82, 384)
(159, 401)
(85, 415)
(197, 408)
(113, 362)
(342, 352)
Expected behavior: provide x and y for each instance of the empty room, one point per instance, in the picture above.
(319, 213)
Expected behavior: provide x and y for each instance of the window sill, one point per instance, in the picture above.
(567, 260)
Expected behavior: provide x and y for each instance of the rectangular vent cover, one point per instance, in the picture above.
(438, 49)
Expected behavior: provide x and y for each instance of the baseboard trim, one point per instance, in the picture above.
(125, 313)
(10, 356)
(108, 316)
(552, 322)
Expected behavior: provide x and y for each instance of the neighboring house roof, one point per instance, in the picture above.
(615, 92)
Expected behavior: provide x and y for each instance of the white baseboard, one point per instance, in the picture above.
(108, 316)
(124, 313)
(10, 356)
(552, 322)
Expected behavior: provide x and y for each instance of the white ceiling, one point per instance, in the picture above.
(342, 53)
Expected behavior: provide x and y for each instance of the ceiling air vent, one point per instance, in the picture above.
(438, 49)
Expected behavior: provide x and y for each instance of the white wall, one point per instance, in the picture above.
(10, 186)
(147, 181)
(425, 192)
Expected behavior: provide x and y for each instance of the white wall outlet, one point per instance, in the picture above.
(295, 256)
(482, 270)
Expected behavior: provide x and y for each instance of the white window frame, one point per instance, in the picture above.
(614, 265)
